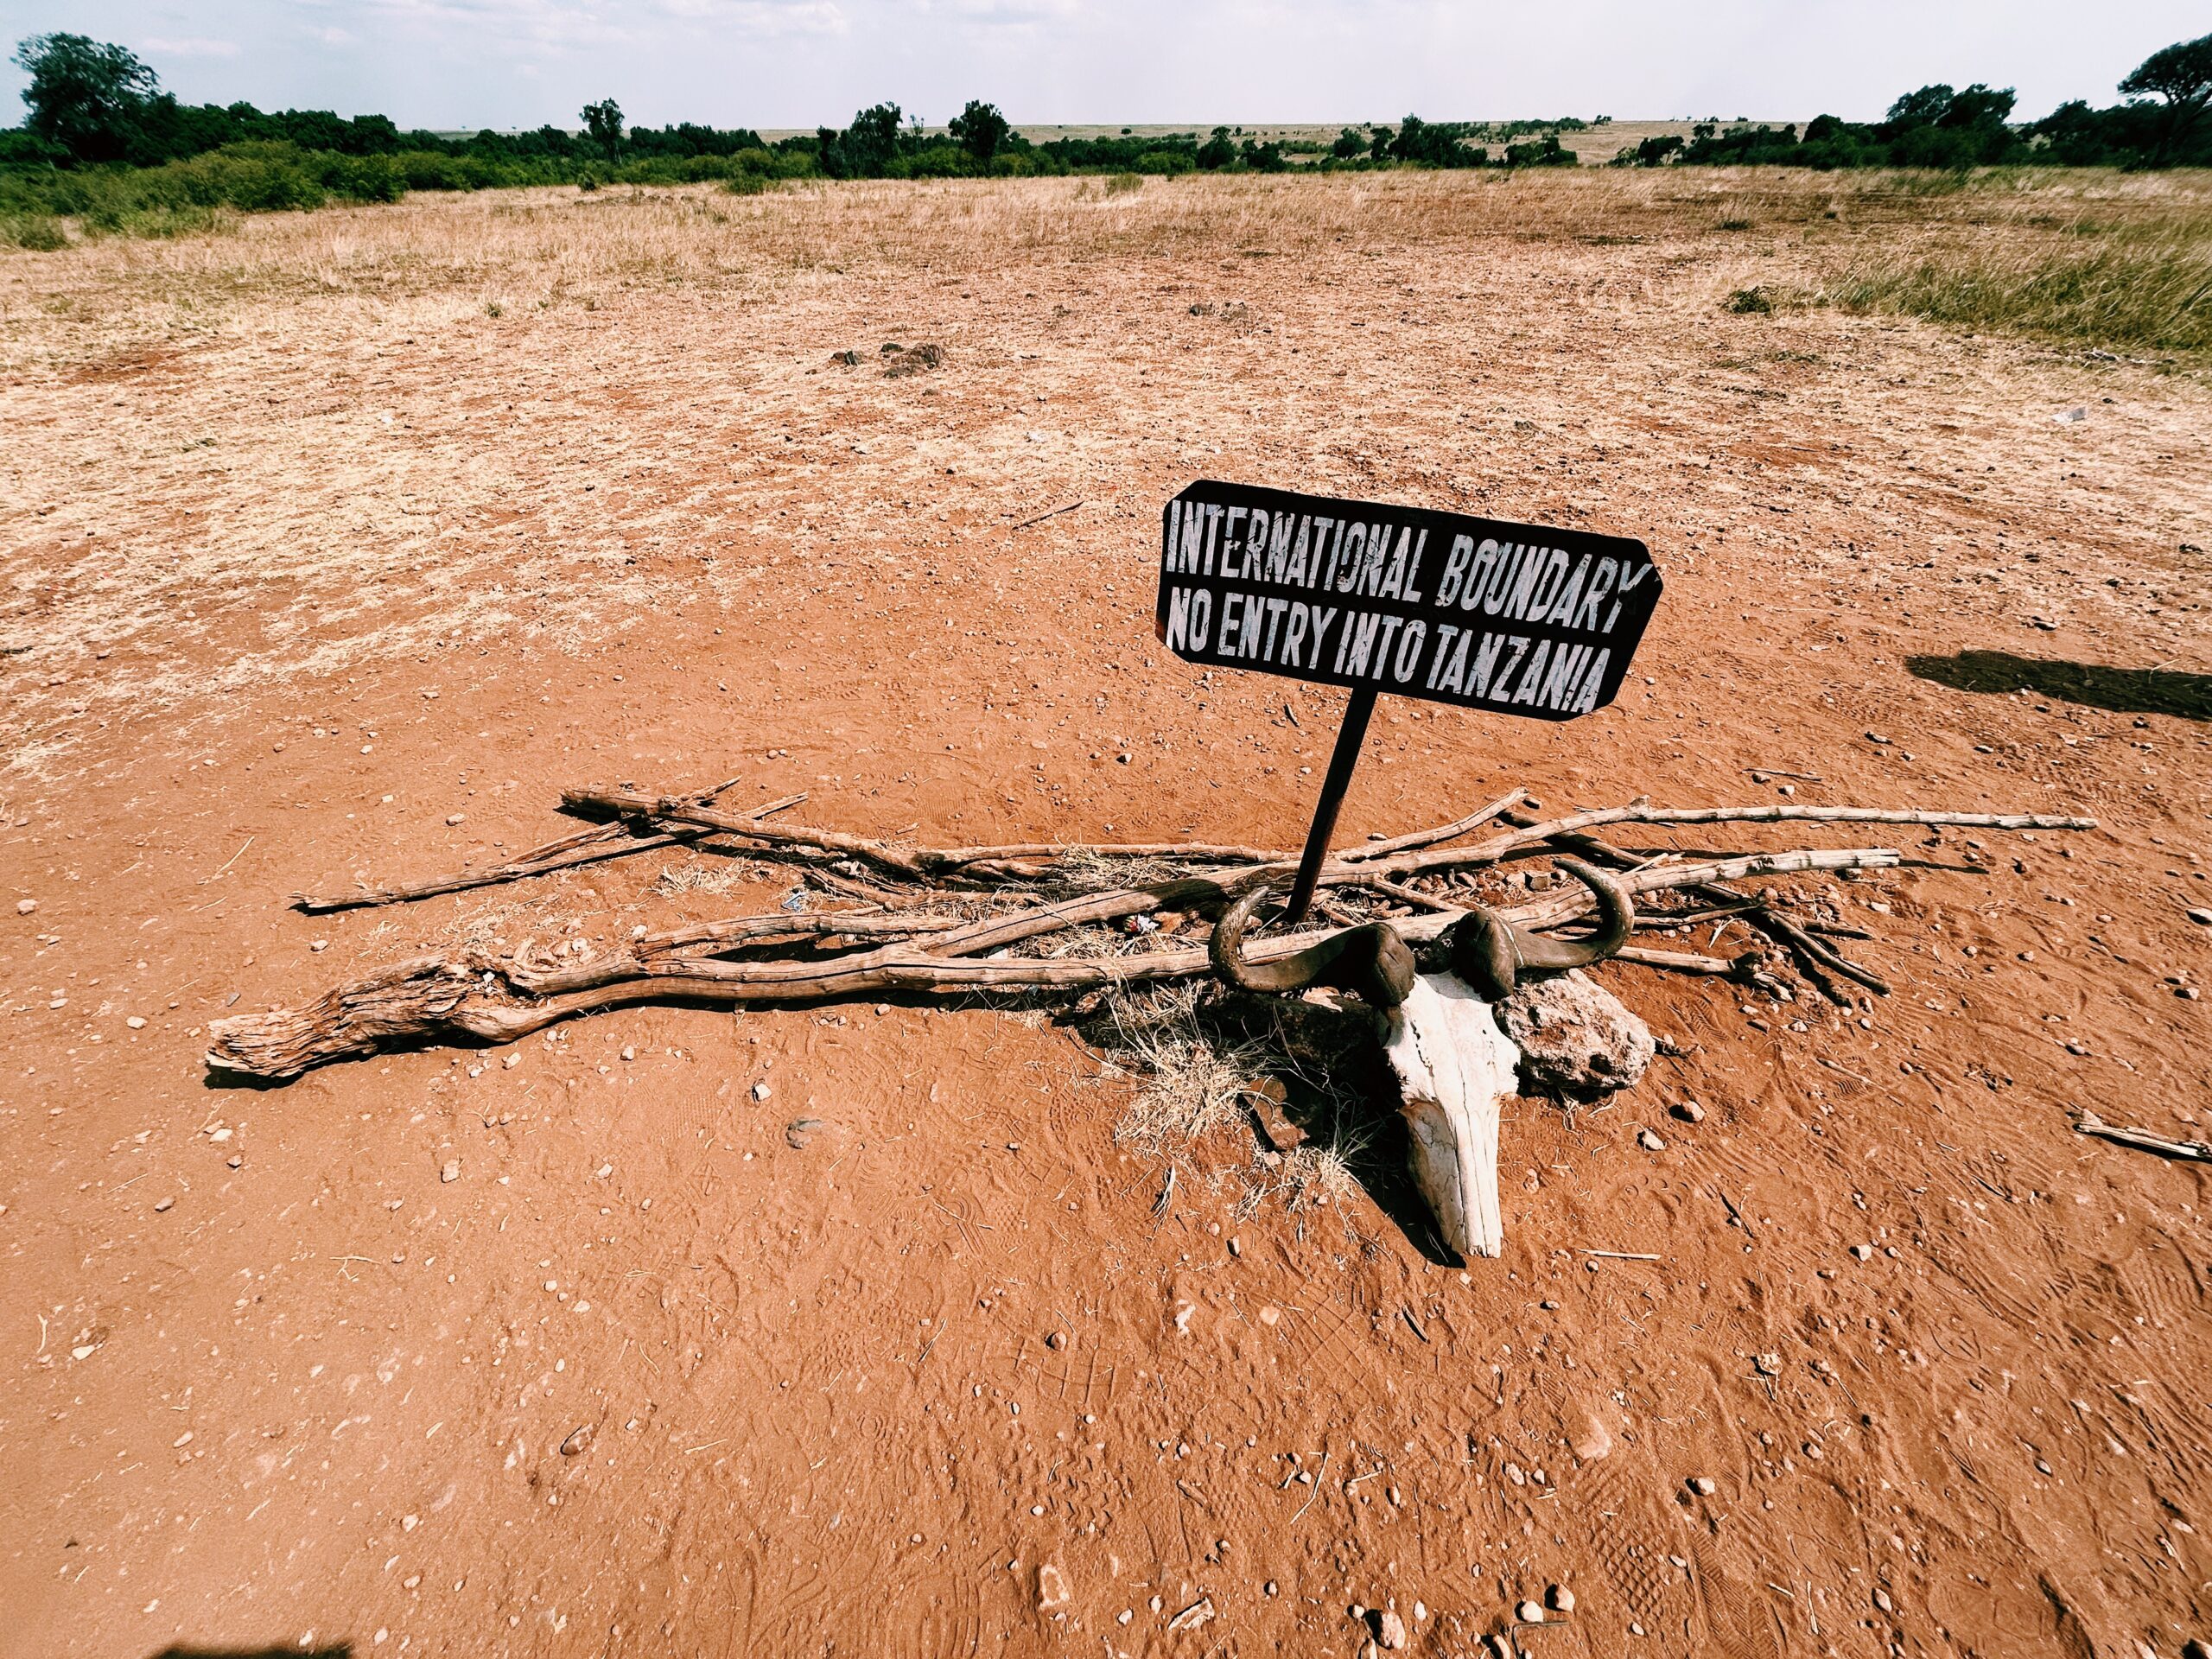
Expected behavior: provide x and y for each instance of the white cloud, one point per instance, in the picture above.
(765, 18)
(191, 47)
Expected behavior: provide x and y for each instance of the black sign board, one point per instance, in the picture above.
(1515, 619)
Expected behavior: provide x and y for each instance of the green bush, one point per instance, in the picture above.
(34, 232)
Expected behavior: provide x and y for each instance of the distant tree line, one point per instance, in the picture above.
(102, 142)
(2162, 123)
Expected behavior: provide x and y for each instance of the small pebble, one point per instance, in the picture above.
(25, 906)
(137, 1022)
(1056, 1339)
(760, 1091)
(1649, 1142)
(1530, 1613)
(456, 817)
(1864, 1252)
(1562, 1598)
(1702, 1486)
(1882, 1600)
(163, 1204)
(452, 1170)
(1690, 1112)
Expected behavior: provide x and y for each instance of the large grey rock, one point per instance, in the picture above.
(1575, 1037)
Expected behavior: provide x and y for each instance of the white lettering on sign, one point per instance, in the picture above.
(1511, 617)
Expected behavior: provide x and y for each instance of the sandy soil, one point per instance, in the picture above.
(318, 569)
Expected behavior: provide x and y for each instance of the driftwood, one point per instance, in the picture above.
(907, 942)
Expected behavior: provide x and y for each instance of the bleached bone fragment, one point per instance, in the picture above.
(1452, 1064)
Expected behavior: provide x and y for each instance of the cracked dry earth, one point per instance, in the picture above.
(334, 546)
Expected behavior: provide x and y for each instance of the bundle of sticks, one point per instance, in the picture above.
(963, 923)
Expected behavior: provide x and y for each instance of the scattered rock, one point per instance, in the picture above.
(137, 1022)
(2197, 914)
(914, 360)
(579, 1439)
(1649, 1142)
(1192, 1616)
(1530, 1613)
(453, 818)
(1575, 1037)
(845, 360)
(1390, 1631)
(1560, 1598)
(1052, 1588)
(162, 1206)
(1882, 1600)
(800, 1130)
(1056, 1338)
(761, 1091)
(26, 907)
(1594, 1441)
(452, 1170)
(1702, 1486)
(1864, 1252)
(1690, 1111)
(1768, 1364)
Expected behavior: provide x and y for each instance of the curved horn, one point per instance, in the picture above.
(1491, 954)
(1369, 961)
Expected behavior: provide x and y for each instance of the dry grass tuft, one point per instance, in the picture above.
(703, 875)
(1193, 1087)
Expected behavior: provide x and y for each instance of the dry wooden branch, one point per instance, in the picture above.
(1820, 958)
(494, 999)
(1017, 859)
(616, 840)
(1680, 962)
(2142, 1140)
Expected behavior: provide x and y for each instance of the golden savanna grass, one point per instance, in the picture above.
(1845, 236)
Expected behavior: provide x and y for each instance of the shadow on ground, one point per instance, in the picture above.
(2123, 690)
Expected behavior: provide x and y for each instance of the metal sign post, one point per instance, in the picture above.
(1523, 619)
(1342, 760)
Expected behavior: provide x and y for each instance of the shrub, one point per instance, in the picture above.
(1121, 184)
(34, 232)
(1750, 302)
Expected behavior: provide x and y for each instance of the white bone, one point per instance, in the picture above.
(1452, 1064)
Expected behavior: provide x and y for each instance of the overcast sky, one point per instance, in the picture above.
(798, 63)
